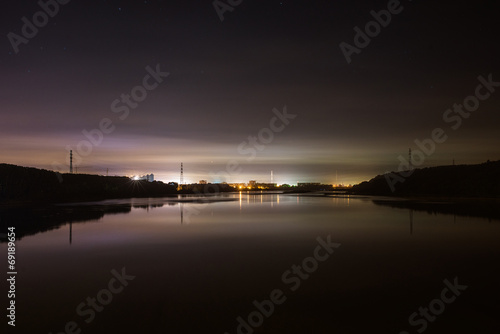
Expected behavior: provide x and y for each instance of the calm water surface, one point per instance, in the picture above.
(199, 266)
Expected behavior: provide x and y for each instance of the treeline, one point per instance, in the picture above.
(307, 188)
(481, 180)
(32, 184)
(210, 188)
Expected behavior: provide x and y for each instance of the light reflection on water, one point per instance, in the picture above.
(208, 260)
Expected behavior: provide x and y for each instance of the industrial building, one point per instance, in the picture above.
(147, 177)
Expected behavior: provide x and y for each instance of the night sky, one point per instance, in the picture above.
(225, 78)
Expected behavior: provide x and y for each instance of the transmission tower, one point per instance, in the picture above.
(409, 159)
(71, 161)
(182, 175)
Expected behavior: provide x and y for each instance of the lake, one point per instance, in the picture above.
(254, 263)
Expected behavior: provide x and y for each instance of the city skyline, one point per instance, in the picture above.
(188, 178)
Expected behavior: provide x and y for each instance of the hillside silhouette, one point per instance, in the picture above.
(482, 180)
(32, 184)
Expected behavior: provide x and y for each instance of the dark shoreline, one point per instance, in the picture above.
(26, 186)
(456, 181)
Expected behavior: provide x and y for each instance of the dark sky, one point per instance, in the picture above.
(225, 78)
